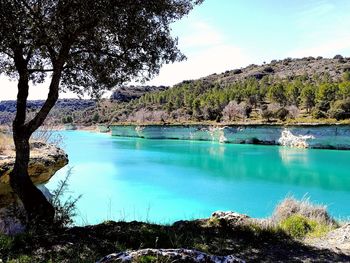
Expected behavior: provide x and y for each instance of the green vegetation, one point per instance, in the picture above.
(299, 226)
(250, 99)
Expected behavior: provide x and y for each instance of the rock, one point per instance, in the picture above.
(237, 71)
(258, 75)
(231, 218)
(269, 69)
(45, 161)
(337, 240)
(170, 255)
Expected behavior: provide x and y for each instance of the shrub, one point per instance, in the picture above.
(318, 114)
(281, 114)
(299, 226)
(296, 225)
(340, 110)
(64, 210)
(323, 106)
(290, 206)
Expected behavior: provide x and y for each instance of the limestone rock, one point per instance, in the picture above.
(170, 255)
(45, 161)
(231, 218)
(337, 240)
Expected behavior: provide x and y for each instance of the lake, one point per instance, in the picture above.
(164, 181)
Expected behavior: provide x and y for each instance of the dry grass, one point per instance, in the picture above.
(6, 142)
(291, 206)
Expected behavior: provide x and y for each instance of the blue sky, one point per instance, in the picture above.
(226, 34)
(221, 35)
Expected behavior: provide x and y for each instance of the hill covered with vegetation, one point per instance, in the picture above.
(311, 88)
(290, 90)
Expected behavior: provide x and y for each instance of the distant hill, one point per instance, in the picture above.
(63, 106)
(290, 88)
(289, 68)
(307, 88)
(128, 93)
(68, 104)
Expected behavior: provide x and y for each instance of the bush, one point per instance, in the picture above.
(290, 206)
(299, 226)
(340, 109)
(281, 114)
(64, 210)
(318, 114)
(296, 225)
(303, 219)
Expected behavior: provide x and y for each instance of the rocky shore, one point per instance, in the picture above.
(300, 136)
(45, 161)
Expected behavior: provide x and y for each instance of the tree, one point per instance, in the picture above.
(308, 97)
(293, 93)
(85, 46)
(327, 92)
(234, 111)
(277, 93)
(344, 89)
(196, 108)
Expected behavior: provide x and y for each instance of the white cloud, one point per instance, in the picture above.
(207, 52)
(326, 49)
(200, 34)
(212, 60)
(8, 90)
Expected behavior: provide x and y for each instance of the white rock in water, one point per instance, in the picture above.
(298, 141)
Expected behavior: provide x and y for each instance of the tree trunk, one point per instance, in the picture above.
(39, 210)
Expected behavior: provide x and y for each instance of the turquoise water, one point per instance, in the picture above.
(167, 180)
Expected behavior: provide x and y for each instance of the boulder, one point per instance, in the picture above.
(231, 218)
(45, 161)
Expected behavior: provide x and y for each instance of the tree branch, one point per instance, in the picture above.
(52, 97)
(32, 70)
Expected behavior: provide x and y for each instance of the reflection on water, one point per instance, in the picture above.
(292, 155)
(168, 180)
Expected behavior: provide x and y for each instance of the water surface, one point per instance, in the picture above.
(167, 180)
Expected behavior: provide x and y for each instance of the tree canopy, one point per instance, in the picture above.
(84, 46)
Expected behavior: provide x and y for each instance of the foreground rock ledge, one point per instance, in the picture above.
(170, 255)
(45, 161)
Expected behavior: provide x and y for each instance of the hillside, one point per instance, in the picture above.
(128, 93)
(62, 108)
(290, 89)
(310, 67)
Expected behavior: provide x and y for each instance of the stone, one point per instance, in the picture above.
(231, 218)
(45, 161)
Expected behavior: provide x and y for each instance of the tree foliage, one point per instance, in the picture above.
(85, 46)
